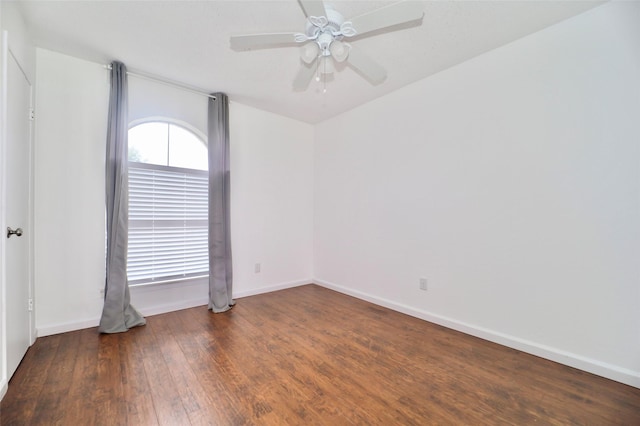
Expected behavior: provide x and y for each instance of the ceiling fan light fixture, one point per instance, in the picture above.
(339, 50)
(309, 52)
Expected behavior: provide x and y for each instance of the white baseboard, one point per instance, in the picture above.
(271, 288)
(147, 311)
(51, 329)
(609, 371)
(3, 389)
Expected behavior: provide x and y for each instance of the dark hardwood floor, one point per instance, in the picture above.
(304, 356)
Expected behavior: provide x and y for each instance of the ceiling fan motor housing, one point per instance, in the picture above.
(324, 30)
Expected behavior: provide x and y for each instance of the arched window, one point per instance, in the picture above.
(168, 204)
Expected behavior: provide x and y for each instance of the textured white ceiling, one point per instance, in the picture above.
(188, 42)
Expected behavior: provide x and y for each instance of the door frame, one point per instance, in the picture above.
(5, 55)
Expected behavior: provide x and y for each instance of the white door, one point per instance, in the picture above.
(17, 172)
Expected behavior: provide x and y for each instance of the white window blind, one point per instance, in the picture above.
(168, 214)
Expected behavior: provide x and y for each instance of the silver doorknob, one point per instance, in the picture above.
(17, 232)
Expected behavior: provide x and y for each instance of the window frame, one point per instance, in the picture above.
(203, 139)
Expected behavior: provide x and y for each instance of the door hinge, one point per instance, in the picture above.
(30, 305)
(32, 114)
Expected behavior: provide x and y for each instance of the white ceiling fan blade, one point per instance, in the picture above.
(394, 14)
(305, 74)
(366, 66)
(313, 7)
(245, 42)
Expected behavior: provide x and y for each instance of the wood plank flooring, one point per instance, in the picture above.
(302, 356)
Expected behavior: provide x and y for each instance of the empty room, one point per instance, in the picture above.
(298, 212)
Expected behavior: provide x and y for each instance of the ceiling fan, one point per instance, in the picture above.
(323, 39)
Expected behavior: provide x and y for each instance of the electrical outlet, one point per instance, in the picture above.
(423, 284)
(256, 268)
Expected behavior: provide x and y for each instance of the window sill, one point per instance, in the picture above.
(181, 282)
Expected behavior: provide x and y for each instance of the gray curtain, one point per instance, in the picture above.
(117, 314)
(220, 274)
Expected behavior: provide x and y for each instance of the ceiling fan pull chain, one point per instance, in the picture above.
(318, 68)
(324, 77)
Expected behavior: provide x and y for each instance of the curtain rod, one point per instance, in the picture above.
(161, 80)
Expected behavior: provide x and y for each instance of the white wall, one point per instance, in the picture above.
(271, 200)
(19, 39)
(71, 107)
(511, 182)
(271, 216)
